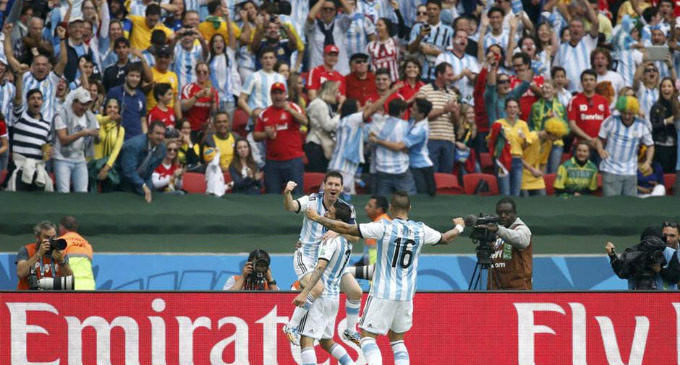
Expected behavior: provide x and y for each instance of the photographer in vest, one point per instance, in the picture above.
(41, 257)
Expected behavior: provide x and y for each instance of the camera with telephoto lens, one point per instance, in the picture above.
(639, 260)
(260, 261)
(55, 283)
(58, 244)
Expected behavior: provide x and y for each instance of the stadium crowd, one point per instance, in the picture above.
(144, 95)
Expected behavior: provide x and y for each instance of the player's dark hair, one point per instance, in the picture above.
(507, 200)
(333, 173)
(342, 211)
(381, 202)
(400, 201)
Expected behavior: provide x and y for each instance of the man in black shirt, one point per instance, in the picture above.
(114, 75)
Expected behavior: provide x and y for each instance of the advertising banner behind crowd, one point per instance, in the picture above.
(245, 328)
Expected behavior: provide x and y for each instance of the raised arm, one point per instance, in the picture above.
(375, 107)
(333, 225)
(594, 21)
(289, 203)
(314, 11)
(9, 53)
(63, 55)
(451, 234)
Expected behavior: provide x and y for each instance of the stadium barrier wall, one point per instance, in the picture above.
(159, 328)
(210, 272)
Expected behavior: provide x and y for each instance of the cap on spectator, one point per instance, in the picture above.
(75, 19)
(278, 86)
(358, 56)
(163, 51)
(82, 95)
(627, 104)
(331, 48)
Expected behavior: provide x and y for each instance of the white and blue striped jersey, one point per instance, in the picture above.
(245, 58)
(399, 243)
(664, 70)
(628, 61)
(464, 85)
(416, 142)
(647, 97)
(348, 151)
(257, 87)
(575, 59)
(48, 87)
(7, 93)
(337, 253)
(221, 77)
(440, 37)
(376, 9)
(623, 144)
(358, 32)
(501, 39)
(299, 12)
(137, 7)
(646, 33)
(564, 97)
(311, 233)
(148, 56)
(185, 63)
(390, 129)
(195, 5)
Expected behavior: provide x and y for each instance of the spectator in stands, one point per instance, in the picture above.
(107, 148)
(663, 116)
(360, 83)
(430, 39)
(255, 275)
(545, 108)
(466, 133)
(465, 67)
(392, 167)
(382, 88)
(47, 263)
(513, 255)
(20, 30)
(244, 172)
(219, 22)
(254, 97)
(574, 55)
(271, 33)
(79, 253)
(442, 118)
(646, 83)
(619, 170)
(187, 54)
(495, 96)
(650, 182)
(8, 91)
(586, 112)
(498, 35)
(559, 75)
(224, 75)
(139, 158)
(167, 177)
(282, 68)
(578, 175)
(129, 94)
(162, 74)
(535, 156)
(200, 100)
(295, 92)
(189, 150)
(363, 27)
(34, 40)
(107, 44)
(411, 71)
(330, 29)
(76, 128)
(223, 139)
(4, 144)
(601, 62)
(279, 126)
(516, 132)
(162, 93)
(323, 121)
(142, 26)
(249, 19)
(326, 72)
(384, 50)
(158, 40)
(75, 48)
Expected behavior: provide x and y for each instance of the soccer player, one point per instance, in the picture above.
(306, 255)
(389, 308)
(319, 323)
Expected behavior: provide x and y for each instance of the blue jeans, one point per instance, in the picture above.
(441, 154)
(387, 184)
(511, 184)
(278, 173)
(554, 159)
(66, 172)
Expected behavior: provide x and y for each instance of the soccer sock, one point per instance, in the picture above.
(300, 312)
(371, 351)
(308, 356)
(352, 307)
(339, 353)
(361, 271)
(400, 353)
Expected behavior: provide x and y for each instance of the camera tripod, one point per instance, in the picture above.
(484, 263)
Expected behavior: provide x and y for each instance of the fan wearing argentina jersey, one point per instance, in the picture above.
(319, 322)
(389, 308)
(304, 259)
(574, 55)
(39, 77)
(187, 54)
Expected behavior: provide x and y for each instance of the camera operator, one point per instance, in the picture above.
(512, 259)
(42, 255)
(256, 274)
(646, 265)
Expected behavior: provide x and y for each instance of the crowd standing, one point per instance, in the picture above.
(109, 95)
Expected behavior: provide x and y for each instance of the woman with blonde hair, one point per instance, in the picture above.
(323, 121)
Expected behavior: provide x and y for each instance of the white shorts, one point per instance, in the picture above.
(302, 264)
(381, 315)
(319, 322)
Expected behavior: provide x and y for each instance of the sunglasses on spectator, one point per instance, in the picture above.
(506, 81)
(328, 9)
(650, 70)
(670, 224)
(422, 13)
(172, 149)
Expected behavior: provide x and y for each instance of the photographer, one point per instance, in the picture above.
(42, 255)
(646, 265)
(256, 274)
(512, 259)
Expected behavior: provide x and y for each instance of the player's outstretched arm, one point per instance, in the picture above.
(288, 202)
(300, 299)
(451, 235)
(333, 225)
